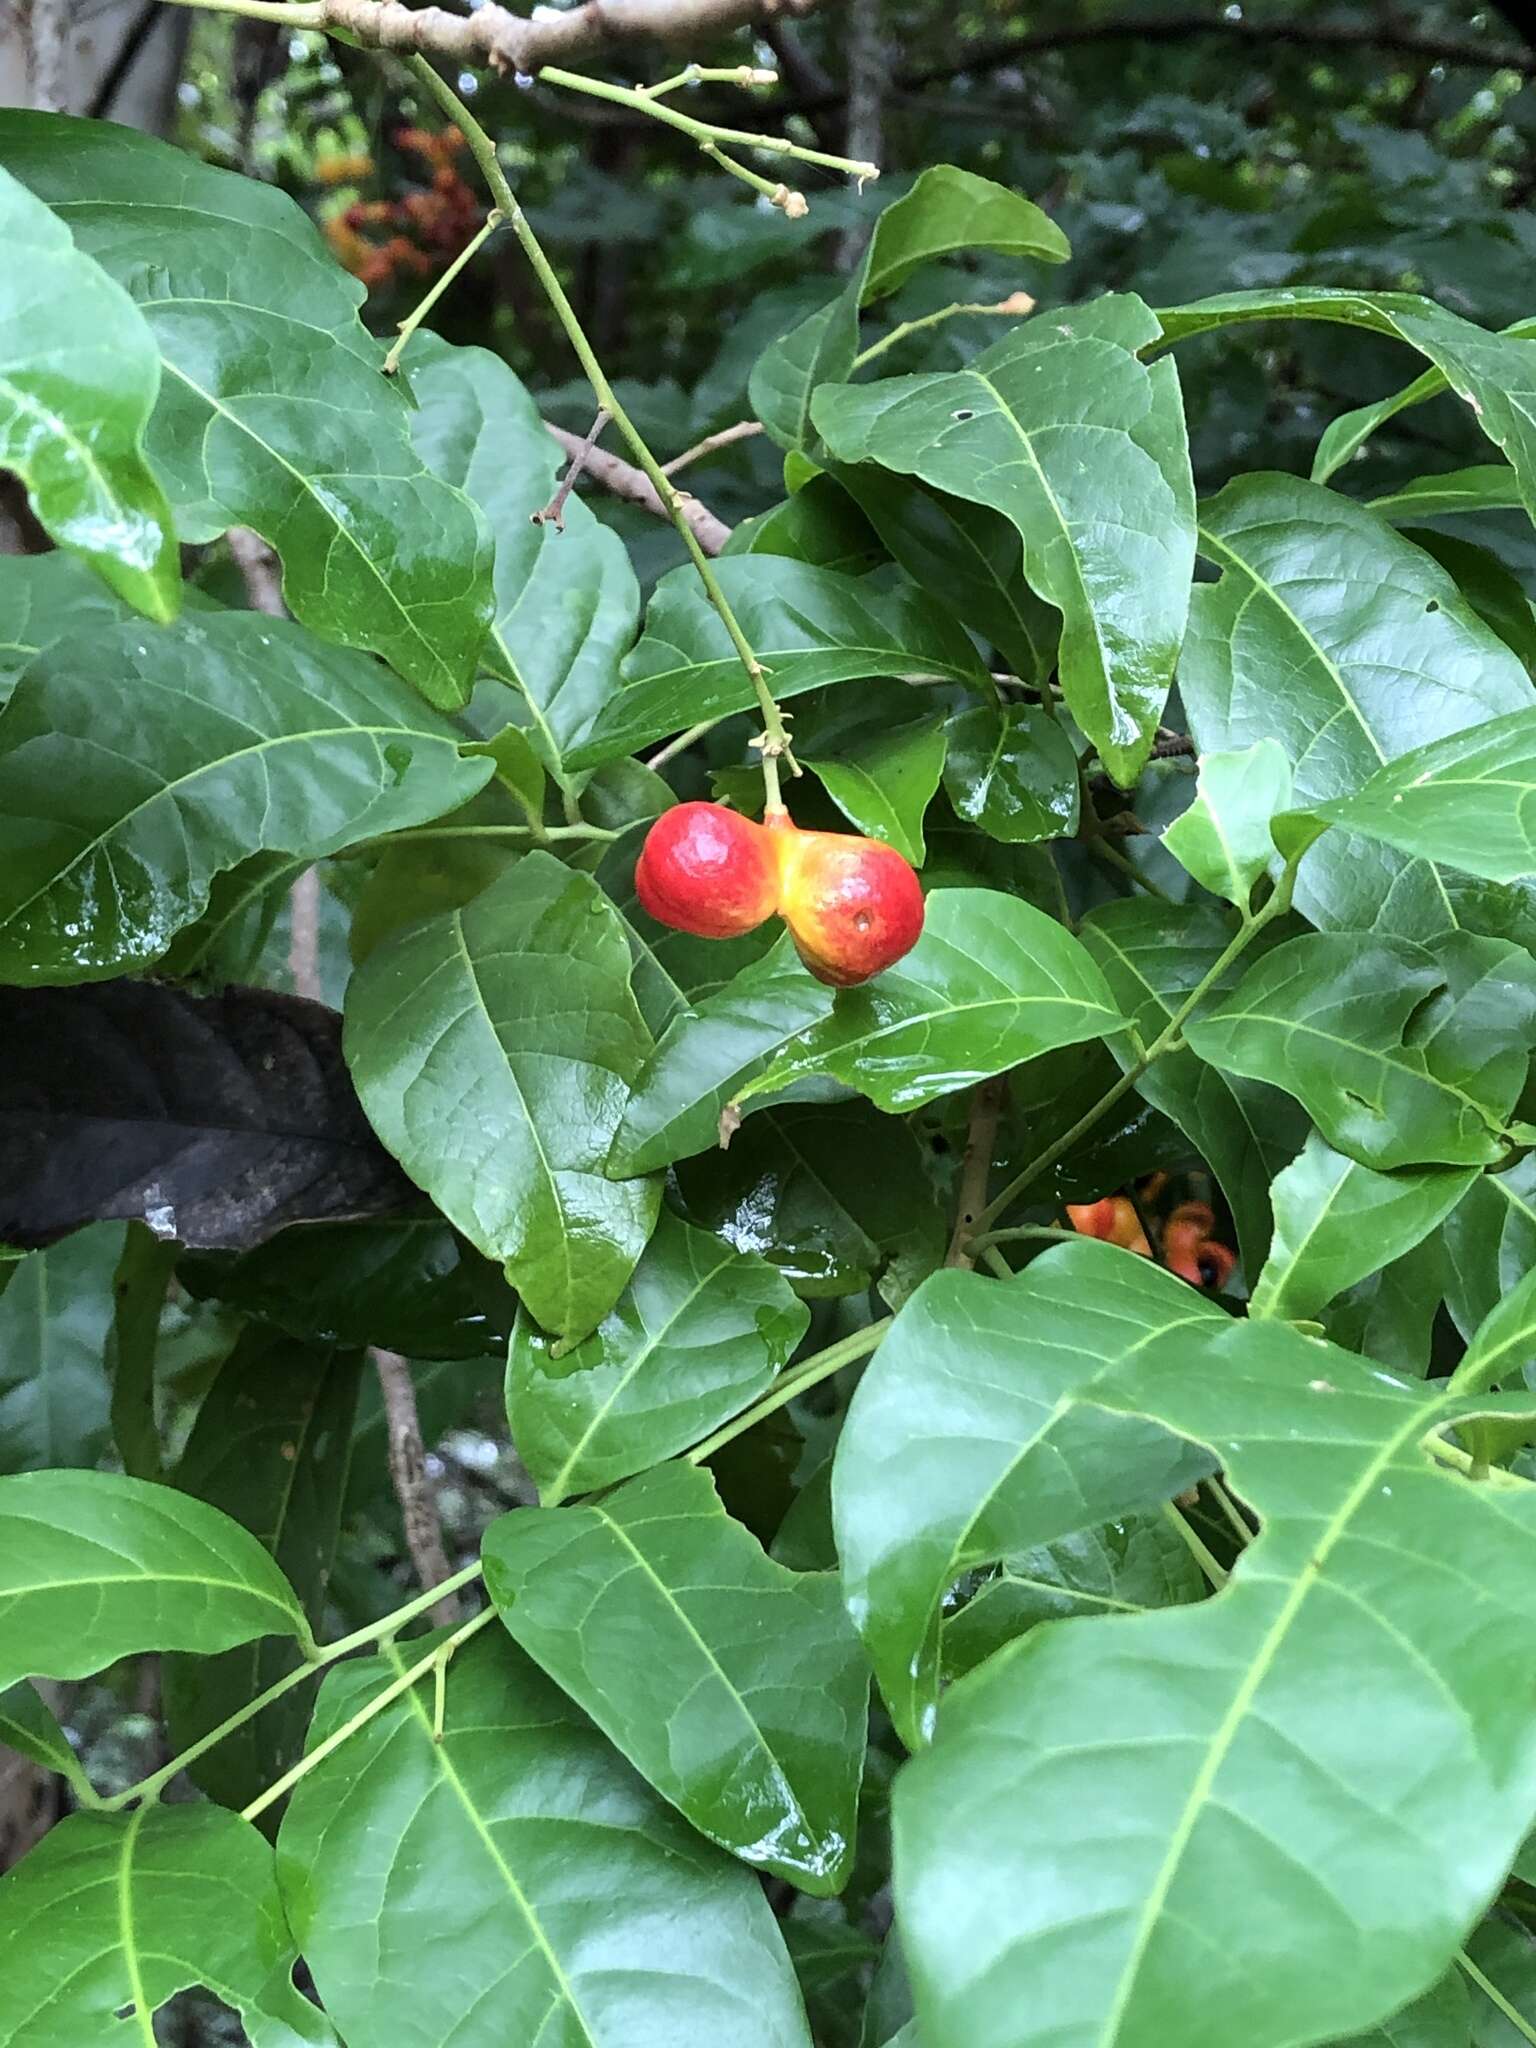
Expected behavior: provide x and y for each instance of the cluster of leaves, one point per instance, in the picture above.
(1200, 1631)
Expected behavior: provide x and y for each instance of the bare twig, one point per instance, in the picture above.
(554, 512)
(516, 43)
(413, 1489)
(43, 27)
(126, 55)
(743, 430)
(259, 571)
(975, 1169)
(627, 480)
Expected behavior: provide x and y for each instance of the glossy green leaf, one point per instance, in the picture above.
(1461, 799)
(1486, 487)
(1034, 429)
(113, 1913)
(1391, 1316)
(269, 1448)
(55, 1314)
(1502, 1997)
(736, 1687)
(1154, 956)
(1129, 1566)
(708, 1053)
(968, 1439)
(1347, 645)
(44, 598)
(1336, 1222)
(947, 210)
(883, 784)
(1012, 773)
(94, 1567)
(1490, 1242)
(1505, 1339)
(408, 1283)
(1495, 374)
(808, 627)
(273, 413)
(966, 557)
(137, 764)
(493, 1048)
(1404, 1055)
(828, 1193)
(992, 981)
(566, 602)
(79, 375)
(699, 1332)
(565, 1902)
(1223, 838)
(1227, 1741)
(1492, 588)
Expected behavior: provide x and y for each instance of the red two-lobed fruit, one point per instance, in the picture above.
(853, 906)
(707, 870)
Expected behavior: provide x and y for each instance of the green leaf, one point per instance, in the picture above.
(44, 598)
(1461, 799)
(55, 1314)
(137, 764)
(1391, 1316)
(946, 210)
(1223, 838)
(566, 602)
(1337, 1222)
(269, 1448)
(966, 558)
(1130, 1566)
(1338, 639)
(1495, 374)
(708, 1053)
(808, 627)
(1404, 1055)
(1225, 1739)
(114, 1913)
(1487, 487)
(30, 1729)
(699, 1332)
(492, 1048)
(1013, 773)
(94, 1567)
(968, 1439)
(79, 374)
(992, 981)
(1490, 1242)
(1505, 1338)
(830, 1194)
(1492, 589)
(736, 1687)
(1033, 429)
(883, 785)
(566, 1902)
(273, 413)
(1154, 956)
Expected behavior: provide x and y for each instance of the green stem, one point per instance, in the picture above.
(408, 326)
(296, 14)
(702, 132)
(1123, 864)
(1052, 1233)
(1167, 1040)
(364, 1715)
(1230, 1510)
(483, 149)
(538, 832)
(809, 1373)
(876, 349)
(317, 1661)
(1214, 1571)
(1495, 1997)
(994, 1262)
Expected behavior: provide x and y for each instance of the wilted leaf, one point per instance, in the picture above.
(215, 1119)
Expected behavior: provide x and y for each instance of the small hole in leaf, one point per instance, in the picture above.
(125, 2012)
(1433, 605)
(965, 413)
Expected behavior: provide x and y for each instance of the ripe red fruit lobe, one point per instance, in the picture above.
(707, 870)
(853, 906)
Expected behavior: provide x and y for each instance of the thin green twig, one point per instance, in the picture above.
(809, 1373)
(408, 326)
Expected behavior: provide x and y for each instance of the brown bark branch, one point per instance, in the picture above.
(627, 481)
(554, 512)
(413, 1488)
(976, 1168)
(523, 44)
